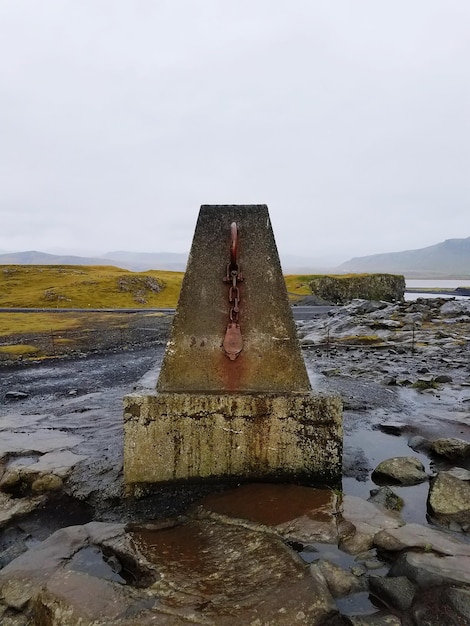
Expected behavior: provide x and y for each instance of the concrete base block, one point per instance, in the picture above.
(248, 436)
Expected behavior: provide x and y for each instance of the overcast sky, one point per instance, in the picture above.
(348, 118)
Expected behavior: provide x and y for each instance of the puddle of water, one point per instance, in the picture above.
(91, 561)
(379, 446)
(273, 504)
(329, 552)
(361, 603)
(185, 546)
(22, 461)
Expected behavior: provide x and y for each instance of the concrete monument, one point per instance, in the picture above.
(233, 399)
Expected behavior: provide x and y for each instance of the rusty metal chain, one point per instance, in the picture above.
(233, 341)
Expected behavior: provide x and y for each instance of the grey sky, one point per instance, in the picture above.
(118, 119)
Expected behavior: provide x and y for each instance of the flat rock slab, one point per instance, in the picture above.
(303, 514)
(429, 570)
(232, 575)
(11, 508)
(58, 463)
(361, 521)
(19, 421)
(197, 572)
(41, 440)
(423, 537)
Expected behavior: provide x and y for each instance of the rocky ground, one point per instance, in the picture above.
(392, 548)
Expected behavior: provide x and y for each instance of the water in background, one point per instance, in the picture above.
(430, 283)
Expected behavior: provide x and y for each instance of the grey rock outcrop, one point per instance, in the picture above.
(449, 500)
(400, 470)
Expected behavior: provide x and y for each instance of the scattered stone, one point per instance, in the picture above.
(393, 428)
(453, 308)
(411, 536)
(376, 619)
(395, 591)
(12, 508)
(419, 444)
(432, 608)
(361, 521)
(46, 483)
(430, 570)
(339, 581)
(403, 470)
(386, 498)
(449, 500)
(16, 395)
(459, 599)
(451, 448)
(443, 378)
(358, 570)
(459, 472)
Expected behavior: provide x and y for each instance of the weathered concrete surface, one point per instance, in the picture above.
(251, 417)
(179, 436)
(271, 360)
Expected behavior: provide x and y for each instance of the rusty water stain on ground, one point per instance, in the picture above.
(272, 504)
(232, 574)
(185, 546)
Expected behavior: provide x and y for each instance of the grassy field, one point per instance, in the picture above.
(83, 286)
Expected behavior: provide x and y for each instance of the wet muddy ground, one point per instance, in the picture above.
(82, 397)
(75, 403)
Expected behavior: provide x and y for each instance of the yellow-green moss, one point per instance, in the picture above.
(20, 349)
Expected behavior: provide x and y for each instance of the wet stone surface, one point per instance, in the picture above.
(208, 554)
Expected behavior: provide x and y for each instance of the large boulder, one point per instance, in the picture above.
(400, 470)
(451, 448)
(341, 289)
(449, 501)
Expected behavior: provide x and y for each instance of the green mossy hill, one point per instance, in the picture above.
(341, 289)
(84, 286)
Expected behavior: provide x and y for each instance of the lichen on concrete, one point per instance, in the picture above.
(189, 436)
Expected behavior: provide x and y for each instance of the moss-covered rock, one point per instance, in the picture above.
(341, 289)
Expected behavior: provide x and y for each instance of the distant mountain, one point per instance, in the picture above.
(135, 261)
(446, 259)
(32, 257)
(142, 261)
(173, 261)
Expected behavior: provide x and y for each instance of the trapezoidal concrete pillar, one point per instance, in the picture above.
(233, 399)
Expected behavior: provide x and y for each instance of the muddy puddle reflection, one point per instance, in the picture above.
(272, 504)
